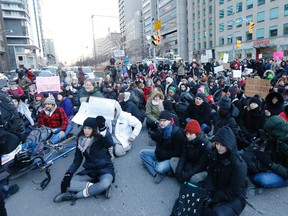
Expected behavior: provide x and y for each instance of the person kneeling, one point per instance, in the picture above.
(98, 173)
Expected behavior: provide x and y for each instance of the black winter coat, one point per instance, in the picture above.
(97, 160)
(201, 113)
(130, 107)
(166, 149)
(194, 158)
(227, 173)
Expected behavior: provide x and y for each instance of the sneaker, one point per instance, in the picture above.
(65, 197)
(12, 190)
(158, 178)
(108, 192)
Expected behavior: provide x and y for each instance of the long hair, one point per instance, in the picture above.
(95, 134)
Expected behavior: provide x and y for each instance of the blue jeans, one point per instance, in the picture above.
(269, 180)
(56, 138)
(152, 164)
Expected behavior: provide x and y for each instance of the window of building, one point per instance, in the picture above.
(261, 16)
(229, 39)
(198, 3)
(193, 26)
(199, 35)
(210, 44)
(204, 45)
(250, 18)
(285, 29)
(248, 36)
(193, 16)
(221, 27)
(229, 24)
(199, 25)
(260, 33)
(204, 23)
(274, 13)
(199, 46)
(210, 32)
(238, 22)
(221, 2)
(210, 21)
(221, 40)
(239, 7)
(194, 36)
(204, 12)
(261, 2)
(221, 14)
(249, 4)
(230, 11)
(198, 14)
(205, 34)
(194, 47)
(273, 31)
(210, 9)
(286, 10)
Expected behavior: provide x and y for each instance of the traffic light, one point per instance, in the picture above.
(251, 26)
(238, 43)
(155, 40)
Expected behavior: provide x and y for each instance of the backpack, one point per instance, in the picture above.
(11, 125)
(39, 135)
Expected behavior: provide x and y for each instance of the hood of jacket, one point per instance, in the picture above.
(277, 127)
(118, 109)
(226, 137)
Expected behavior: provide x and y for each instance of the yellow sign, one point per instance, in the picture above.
(157, 25)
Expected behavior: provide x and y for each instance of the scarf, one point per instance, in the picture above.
(167, 131)
(84, 143)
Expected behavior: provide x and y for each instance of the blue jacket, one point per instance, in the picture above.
(67, 106)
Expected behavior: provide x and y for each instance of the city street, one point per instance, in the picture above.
(134, 193)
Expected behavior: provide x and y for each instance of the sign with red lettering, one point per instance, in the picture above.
(259, 43)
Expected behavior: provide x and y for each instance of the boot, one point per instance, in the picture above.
(108, 192)
(65, 197)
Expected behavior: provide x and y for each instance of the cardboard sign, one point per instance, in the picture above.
(226, 66)
(48, 84)
(257, 86)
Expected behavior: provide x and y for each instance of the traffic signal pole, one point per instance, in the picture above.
(153, 47)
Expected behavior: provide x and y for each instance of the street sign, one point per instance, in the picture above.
(157, 25)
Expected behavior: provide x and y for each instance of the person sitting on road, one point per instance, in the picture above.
(98, 173)
(124, 128)
(275, 156)
(169, 143)
(66, 104)
(192, 165)
(154, 106)
(90, 89)
(55, 118)
(225, 183)
(16, 90)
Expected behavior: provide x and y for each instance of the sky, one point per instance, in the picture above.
(69, 23)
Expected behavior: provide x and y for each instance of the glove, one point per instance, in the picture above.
(65, 183)
(208, 201)
(101, 123)
(55, 130)
(264, 158)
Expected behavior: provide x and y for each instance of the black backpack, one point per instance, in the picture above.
(11, 125)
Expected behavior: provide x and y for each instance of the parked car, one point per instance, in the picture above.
(52, 69)
(89, 72)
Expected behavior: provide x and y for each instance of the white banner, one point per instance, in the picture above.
(119, 53)
(48, 84)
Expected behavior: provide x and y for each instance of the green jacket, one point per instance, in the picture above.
(278, 128)
(84, 95)
(153, 111)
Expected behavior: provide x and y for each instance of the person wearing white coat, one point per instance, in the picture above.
(124, 128)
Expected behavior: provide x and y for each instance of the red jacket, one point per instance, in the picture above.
(17, 92)
(58, 119)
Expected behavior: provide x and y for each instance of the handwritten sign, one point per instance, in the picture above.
(204, 58)
(218, 69)
(48, 84)
(257, 86)
(96, 106)
(236, 73)
(225, 58)
(209, 53)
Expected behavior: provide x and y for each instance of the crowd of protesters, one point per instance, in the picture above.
(201, 122)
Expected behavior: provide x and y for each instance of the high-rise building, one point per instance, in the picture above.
(4, 60)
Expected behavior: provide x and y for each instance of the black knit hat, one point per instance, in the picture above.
(256, 100)
(90, 122)
(165, 114)
(225, 102)
(201, 95)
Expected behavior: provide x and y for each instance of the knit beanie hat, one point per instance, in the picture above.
(50, 100)
(193, 126)
(90, 122)
(126, 96)
(232, 90)
(165, 114)
(225, 102)
(269, 76)
(39, 95)
(169, 79)
(256, 100)
(172, 88)
(201, 95)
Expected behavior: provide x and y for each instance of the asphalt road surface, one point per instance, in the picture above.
(133, 194)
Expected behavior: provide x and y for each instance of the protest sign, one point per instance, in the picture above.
(226, 66)
(204, 58)
(257, 86)
(96, 106)
(236, 73)
(209, 53)
(218, 69)
(225, 58)
(277, 56)
(48, 84)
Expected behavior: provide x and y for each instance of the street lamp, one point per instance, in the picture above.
(93, 32)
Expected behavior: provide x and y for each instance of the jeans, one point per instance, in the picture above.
(79, 183)
(56, 138)
(269, 180)
(152, 164)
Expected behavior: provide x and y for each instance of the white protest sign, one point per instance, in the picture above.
(260, 56)
(236, 73)
(204, 58)
(119, 53)
(48, 84)
(218, 69)
(209, 53)
(96, 106)
(225, 58)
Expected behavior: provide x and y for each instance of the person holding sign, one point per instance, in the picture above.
(121, 130)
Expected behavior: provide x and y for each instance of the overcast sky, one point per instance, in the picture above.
(69, 23)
